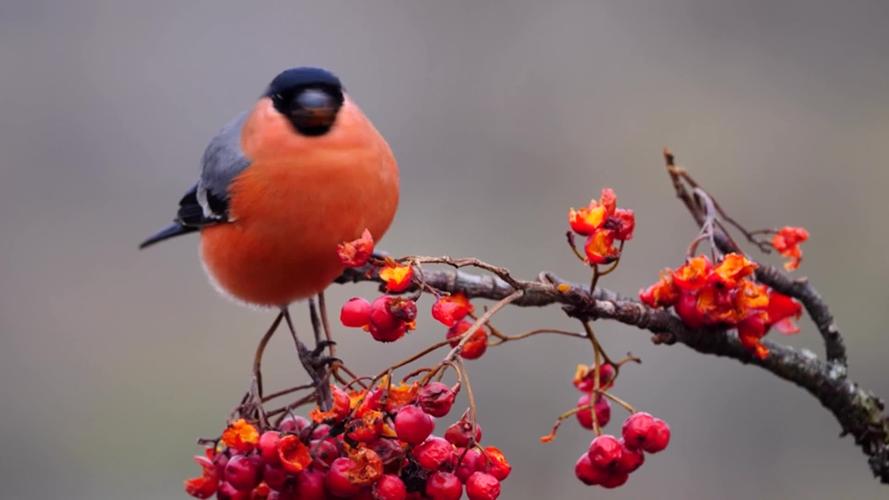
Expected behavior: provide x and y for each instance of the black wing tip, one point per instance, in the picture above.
(166, 233)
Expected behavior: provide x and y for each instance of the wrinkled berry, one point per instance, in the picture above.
(433, 452)
(389, 487)
(477, 344)
(437, 398)
(460, 432)
(443, 486)
(482, 486)
(337, 479)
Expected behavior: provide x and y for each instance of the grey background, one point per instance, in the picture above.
(502, 115)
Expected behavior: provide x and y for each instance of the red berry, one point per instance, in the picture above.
(472, 460)
(337, 479)
(413, 425)
(268, 447)
(392, 334)
(606, 378)
(324, 452)
(390, 452)
(635, 429)
(402, 309)
(451, 309)
(585, 417)
(587, 472)
(389, 487)
(243, 472)
(605, 451)
(630, 460)
(227, 491)
(443, 486)
(614, 479)
(482, 486)
(310, 485)
(380, 315)
(658, 437)
(274, 476)
(323, 430)
(460, 432)
(355, 313)
(433, 452)
(475, 346)
(437, 398)
(293, 424)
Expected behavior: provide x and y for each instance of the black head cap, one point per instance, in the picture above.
(308, 97)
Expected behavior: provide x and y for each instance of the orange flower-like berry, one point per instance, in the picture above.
(356, 253)
(205, 485)
(599, 248)
(602, 223)
(293, 454)
(342, 406)
(450, 309)
(399, 395)
(241, 436)
(499, 466)
(661, 294)
(787, 241)
(732, 269)
(397, 276)
(694, 274)
(724, 295)
(367, 468)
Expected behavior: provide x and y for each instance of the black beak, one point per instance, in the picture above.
(314, 109)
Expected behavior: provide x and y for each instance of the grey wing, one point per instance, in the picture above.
(223, 160)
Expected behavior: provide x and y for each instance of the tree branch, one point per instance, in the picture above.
(800, 289)
(859, 412)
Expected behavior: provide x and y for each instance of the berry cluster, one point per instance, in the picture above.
(371, 444)
(602, 223)
(388, 318)
(609, 461)
(724, 295)
(585, 383)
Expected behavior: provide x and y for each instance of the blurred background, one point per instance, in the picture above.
(502, 115)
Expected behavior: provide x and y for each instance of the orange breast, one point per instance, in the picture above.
(299, 198)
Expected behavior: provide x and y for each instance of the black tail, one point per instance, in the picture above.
(168, 232)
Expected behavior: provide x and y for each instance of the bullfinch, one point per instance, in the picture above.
(282, 185)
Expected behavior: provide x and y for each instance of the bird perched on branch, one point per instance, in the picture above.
(282, 185)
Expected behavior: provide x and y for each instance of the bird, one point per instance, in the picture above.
(282, 185)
